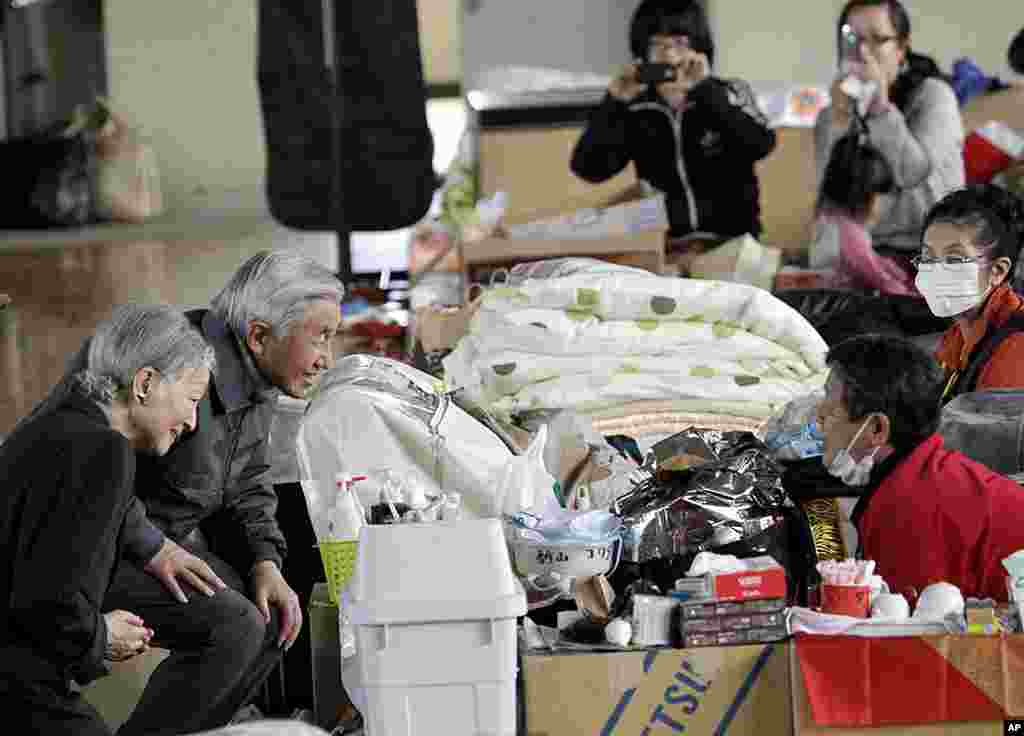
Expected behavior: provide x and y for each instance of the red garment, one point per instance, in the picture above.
(857, 265)
(938, 515)
(1005, 367)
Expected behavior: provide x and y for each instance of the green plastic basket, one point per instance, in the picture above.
(339, 563)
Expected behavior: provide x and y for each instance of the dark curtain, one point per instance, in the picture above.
(381, 176)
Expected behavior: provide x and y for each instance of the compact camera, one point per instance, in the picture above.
(655, 73)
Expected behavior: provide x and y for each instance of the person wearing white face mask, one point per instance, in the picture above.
(926, 513)
(970, 246)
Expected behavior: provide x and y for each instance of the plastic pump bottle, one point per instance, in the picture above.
(346, 517)
(452, 508)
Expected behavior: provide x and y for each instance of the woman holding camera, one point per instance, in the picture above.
(910, 111)
(691, 135)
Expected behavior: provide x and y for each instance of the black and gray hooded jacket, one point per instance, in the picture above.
(702, 157)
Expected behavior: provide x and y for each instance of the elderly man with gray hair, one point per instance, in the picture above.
(203, 548)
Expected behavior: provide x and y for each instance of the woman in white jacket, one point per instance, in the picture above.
(910, 111)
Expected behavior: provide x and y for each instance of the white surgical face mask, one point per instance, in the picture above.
(856, 88)
(849, 471)
(949, 288)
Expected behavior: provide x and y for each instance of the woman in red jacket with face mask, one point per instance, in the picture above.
(926, 514)
(969, 251)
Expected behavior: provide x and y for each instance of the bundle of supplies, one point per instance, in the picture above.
(710, 488)
(600, 340)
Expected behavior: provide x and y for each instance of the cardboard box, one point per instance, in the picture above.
(617, 225)
(440, 327)
(762, 577)
(531, 164)
(846, 685)
(735, 690)
(639, 215)
(643, 250)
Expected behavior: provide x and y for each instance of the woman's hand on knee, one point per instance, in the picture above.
(127, 635)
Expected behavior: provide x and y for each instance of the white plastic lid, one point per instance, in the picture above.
(454, 571)
(416, 496)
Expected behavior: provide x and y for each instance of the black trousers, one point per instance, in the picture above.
(42, 708)
(302, 569)
(221, 649)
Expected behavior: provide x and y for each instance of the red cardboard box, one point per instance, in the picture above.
(954, 683)
(762, 577)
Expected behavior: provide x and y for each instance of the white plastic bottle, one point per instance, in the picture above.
(451, 510)
(346, 516)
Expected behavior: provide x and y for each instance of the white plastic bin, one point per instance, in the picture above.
(434, 608)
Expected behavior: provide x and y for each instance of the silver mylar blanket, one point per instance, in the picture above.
(374, 413)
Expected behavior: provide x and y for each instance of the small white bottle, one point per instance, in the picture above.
(451, 510)
(582, 501)
(346, 516)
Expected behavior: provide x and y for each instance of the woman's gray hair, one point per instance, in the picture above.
(274, 287)
(134, 337)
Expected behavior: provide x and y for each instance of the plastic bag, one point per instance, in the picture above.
(523, 483)
(127, 174)
(793, 433)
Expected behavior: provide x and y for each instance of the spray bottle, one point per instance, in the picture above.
(346, 516)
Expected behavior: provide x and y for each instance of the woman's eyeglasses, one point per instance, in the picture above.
(929, 260)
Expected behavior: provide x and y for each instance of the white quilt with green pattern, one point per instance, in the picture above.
(594, 340)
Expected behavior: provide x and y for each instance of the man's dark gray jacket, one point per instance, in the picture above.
(213, 478)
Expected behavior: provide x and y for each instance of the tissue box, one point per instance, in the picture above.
(762, 577)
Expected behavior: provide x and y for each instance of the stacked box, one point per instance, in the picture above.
(733, 622)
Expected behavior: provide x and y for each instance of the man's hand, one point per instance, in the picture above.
(127, 635)
(173, 561)
(270, 589)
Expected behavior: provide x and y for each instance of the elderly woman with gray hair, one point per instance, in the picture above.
(69, 471)
(204, 550)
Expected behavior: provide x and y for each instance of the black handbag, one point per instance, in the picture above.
(384, 178)
(47, 181)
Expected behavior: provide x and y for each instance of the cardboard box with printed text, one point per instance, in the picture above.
(740, 690)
